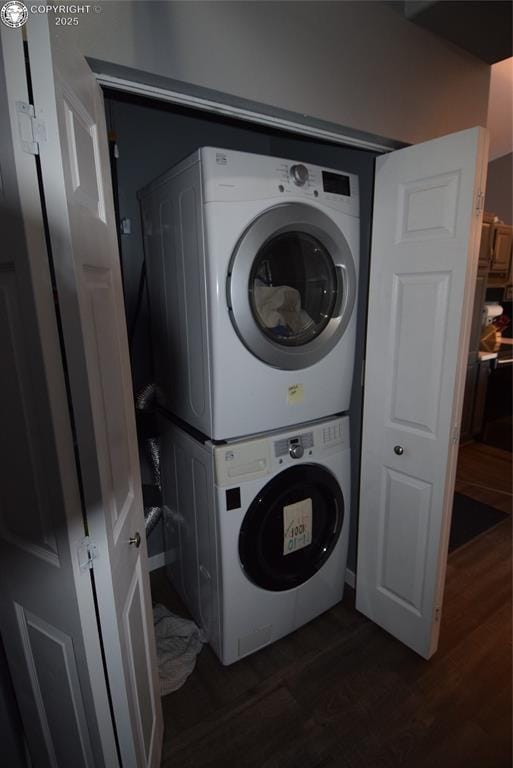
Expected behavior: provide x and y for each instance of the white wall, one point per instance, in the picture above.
(500, 109)
(359, 64)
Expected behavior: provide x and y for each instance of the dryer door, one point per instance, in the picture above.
(291, 286)
(291, 527)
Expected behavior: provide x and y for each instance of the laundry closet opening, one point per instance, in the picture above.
(149, 137)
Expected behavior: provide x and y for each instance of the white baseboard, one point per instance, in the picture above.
(350, 578)
(157, 561)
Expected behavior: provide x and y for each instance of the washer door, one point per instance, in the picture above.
(291, 286)
(291, 528)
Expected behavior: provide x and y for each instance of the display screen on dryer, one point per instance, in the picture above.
(336, 183)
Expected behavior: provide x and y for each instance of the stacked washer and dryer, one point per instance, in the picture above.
(252, 271)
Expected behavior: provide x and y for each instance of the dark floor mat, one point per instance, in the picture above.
(470, 518)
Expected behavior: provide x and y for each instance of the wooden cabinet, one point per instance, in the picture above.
(502, 242)
(498, 238)
(468, 403)
(497, 413)
(485, 249)
(495, 269)
(496, 250)
(477, 318)
(469, 419)
(480, 396)
(476, 385)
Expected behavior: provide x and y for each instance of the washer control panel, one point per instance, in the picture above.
(238, 462)
(295, 446)
(320, 440)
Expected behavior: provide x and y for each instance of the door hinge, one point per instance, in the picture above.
(480, 202)
(437, 614)
(32, 131)
(455, 434)
(87, 552)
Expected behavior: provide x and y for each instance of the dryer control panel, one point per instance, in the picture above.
(238, 176)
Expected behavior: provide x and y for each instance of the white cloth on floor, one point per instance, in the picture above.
(178, 643)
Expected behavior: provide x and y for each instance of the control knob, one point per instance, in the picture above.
(299, 174)
(296, 451)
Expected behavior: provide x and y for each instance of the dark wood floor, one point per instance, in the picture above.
(485, 473)
(341, 693)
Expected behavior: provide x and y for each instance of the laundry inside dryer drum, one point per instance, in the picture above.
(307, 496)
(293, 288)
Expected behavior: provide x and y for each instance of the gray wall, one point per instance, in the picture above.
(359, 64)
(499, 188)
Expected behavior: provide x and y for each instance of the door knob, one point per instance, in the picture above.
(399, 450)
(135, 539)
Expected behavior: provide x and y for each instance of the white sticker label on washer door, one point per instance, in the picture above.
(297, 526)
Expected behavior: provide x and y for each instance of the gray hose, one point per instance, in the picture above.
(151, 517)
(153, 514)
(144, 402)
(153, 452)
(144, 399)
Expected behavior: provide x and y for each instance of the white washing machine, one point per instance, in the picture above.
(252, 268)
(257, 530)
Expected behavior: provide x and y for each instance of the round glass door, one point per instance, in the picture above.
(291, 286)
(291, 527)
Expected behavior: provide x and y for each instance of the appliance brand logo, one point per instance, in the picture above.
(14, 14)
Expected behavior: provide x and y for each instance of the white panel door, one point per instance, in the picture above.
(424, 256)
(47, 612)
(78, 196)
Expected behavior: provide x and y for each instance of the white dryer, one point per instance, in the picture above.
(252, 268)
(257, 530)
